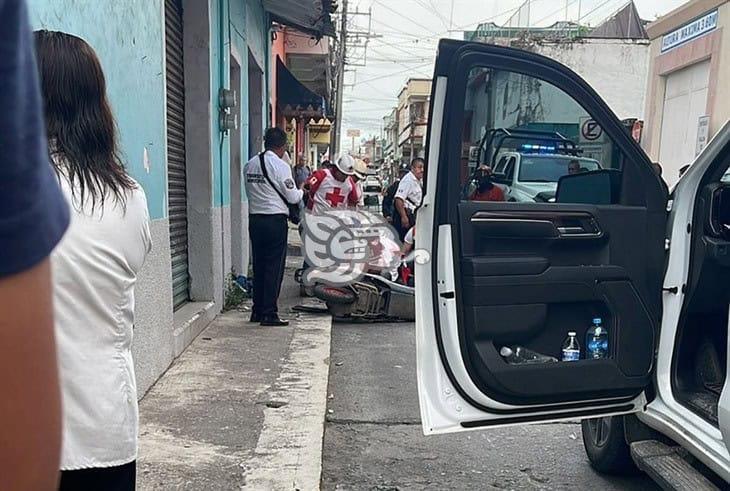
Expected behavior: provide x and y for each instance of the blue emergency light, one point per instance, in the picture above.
(539, 148)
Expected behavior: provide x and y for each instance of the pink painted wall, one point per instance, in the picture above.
(300, 43)
(278, 50)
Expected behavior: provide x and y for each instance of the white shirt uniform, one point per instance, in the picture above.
(95, 269)
(410, 191)
(262, 198)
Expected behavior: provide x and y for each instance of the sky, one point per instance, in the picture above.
(408, 32)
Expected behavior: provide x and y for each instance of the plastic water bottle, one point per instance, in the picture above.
(597, 341)
(571, 348)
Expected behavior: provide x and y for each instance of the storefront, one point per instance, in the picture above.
(690, 57)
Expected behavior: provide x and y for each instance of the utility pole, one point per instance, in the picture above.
(352, 52)
(340, 67)
(579, 11)
(451, 18)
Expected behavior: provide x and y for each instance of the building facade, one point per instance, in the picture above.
(413, 108)
(391, 155)
(613, 57)
(189, 87)
(301, 86)
(689, 59)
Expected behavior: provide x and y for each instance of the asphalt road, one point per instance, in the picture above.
(373, 438)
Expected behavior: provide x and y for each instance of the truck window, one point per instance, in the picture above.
(521, 114)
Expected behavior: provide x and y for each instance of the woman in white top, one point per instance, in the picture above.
(95, 269)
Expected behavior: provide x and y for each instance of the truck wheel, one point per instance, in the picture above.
(334, 295)
(605, 444)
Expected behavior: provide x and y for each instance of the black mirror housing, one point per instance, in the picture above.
(601, 187)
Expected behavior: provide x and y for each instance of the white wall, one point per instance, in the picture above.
(617, 69)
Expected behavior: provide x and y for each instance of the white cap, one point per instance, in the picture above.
(346, 164)
(571, 334)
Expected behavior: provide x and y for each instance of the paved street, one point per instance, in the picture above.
(373, 438)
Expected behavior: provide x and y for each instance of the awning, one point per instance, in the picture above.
(293, 98)
(310, 16)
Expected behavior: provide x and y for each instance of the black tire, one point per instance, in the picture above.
(605, 444)
(334, 295)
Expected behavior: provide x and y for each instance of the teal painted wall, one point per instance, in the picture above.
(128, 37)
(242, 26)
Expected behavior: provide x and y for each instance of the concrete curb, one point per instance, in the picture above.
(288, 453)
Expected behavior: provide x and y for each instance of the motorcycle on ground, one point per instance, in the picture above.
(374, 297)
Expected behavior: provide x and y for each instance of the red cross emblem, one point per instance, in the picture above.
(335, 198)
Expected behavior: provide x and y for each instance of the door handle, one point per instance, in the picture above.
(578, 232)
(538, 224)
(572, 231)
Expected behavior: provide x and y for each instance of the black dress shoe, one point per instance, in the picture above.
(255, 318)
(274, 321)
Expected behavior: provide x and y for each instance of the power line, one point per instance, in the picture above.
(415, 23)
(596, 9)
(394, 73)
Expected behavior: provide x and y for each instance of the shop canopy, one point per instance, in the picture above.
(310, 16)
(293, 98)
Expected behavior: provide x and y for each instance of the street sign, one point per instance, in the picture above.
(353, 133)
(590, 131)
(703, 134)
(688, 32)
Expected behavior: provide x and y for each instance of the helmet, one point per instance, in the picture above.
(361, 169)
(403, 169)
(346, 165)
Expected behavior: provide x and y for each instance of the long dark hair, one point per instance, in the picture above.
(79, 121)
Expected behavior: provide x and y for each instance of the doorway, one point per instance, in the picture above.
(176, 152)
(239, 234)
(685, 101)
(255, 106)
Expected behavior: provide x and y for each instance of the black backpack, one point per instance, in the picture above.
(389, 200)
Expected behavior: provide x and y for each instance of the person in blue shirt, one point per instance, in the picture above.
(33, 218)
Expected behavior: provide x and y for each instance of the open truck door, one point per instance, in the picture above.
(501, 274)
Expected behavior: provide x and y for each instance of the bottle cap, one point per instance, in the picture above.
(571, 334)
(597, 320)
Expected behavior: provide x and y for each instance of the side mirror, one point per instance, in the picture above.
(601, 187)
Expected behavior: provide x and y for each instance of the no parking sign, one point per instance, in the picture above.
(590, 131)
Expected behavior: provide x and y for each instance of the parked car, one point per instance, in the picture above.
(611, 245)
(373, 193)
(530, 176)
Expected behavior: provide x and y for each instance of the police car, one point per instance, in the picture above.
(613, 244)
(528, 164)
(532, 174)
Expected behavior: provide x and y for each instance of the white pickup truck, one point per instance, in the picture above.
(531, 177)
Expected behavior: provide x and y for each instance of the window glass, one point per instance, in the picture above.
(529, 138)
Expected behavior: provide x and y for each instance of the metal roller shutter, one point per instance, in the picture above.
(177, 180)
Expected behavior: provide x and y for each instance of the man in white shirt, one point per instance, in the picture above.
(408, 198)
(270, 189)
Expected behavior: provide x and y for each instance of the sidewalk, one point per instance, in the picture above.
(244, 406)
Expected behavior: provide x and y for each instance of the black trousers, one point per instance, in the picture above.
(399, 226)
(120, 478)
(269, 235)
